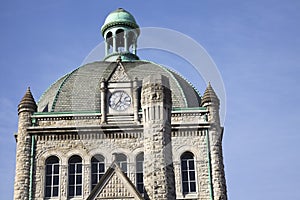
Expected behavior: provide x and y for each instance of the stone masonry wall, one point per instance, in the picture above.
(64, 149)
(196, 144)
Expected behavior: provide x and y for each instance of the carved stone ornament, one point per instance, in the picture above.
(119, 74)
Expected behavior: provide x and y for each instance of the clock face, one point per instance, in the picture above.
(119, 101)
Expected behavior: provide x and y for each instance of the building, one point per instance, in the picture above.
(121, 128)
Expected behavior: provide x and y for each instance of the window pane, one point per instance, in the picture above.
(183, 165)
(55, 180)
(48, 180)
(185, 187)
(139, 177)
(191, 164)
(78, 179)
(56, 169)
(184, 176)
(124, 166)
(78, 190)
(71, 180)
(193, 187)
(140, 188)
(79, 168)
(55, 191)
(192, 175)
(48, 169)
(94, 179)
(139, 166)
(94, 168)
(101, 167)
(71, 191)
(48, 192)
(72, 169)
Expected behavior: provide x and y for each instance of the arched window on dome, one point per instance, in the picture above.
(120, 40)
(140, 172)
(98, 168)
(188, 175)
(75, 176)
(121, 160)
(109, 42)
(131, 42)
(52, 177)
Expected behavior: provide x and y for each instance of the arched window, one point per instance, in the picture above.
(52, 177)
(98, 169)
(140, 172)
(121, 160)
(188, 173)
(75, 176)
(131, 41)
(109, 41)
(120, 40)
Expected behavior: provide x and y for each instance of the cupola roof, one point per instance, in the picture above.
(119, 17)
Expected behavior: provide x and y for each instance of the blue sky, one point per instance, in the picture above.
(255, 45)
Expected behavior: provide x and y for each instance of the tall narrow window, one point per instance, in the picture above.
(140, 172)
(52, 177)
(121, 160)
(188, 173)
(75, 176)
(98, 169)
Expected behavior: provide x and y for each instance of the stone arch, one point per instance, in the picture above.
(135, 153)
(41, 159)
(80, 152)
(186, 148)
(126, 152)
(102, 151)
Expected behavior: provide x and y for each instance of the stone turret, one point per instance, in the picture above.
(211, 101)
(158, 163)
(26, 108)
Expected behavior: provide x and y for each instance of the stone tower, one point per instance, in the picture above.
(214, 138)
(26, 108)
(120, 128)
(158, 163)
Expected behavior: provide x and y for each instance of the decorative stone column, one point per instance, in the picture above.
(159, 179)
(136, 100)
(103, 88)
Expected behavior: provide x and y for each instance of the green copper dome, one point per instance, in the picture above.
(119, 17)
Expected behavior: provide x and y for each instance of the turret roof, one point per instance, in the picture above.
(27, 101)
(209, 95)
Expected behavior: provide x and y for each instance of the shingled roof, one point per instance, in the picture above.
(80, 89)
